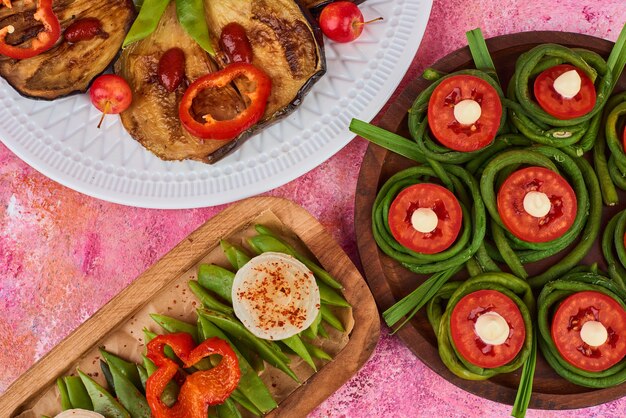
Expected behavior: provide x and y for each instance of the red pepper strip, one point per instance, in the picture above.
(226, 129)
(201, 389)
(44, 40)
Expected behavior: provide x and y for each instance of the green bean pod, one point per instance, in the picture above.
(614, 125)
(464, 186)
(551, 295)
(535, 123)
(440, 307)
(418, 123)
(614, 250)
(516, 252)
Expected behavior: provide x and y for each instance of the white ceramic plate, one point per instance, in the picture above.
(60, 138)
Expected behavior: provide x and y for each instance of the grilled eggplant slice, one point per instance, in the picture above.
(152, 118)
(66, 68)
(286, 43)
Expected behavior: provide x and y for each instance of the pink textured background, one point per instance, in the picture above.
(63, 254)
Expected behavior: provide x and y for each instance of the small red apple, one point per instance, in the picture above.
(110, 94)
(342, 21)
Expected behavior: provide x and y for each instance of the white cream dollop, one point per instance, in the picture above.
(275, 296)
(492, 328)
(594, 333)
(424, 220)
(568, 84)
(537, 204)
(467, 112)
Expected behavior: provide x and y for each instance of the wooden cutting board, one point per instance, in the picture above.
(154, 282)
(390, 282)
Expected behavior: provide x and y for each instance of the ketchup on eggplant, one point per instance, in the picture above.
(171, 70)
(235, 43)
(84, 30)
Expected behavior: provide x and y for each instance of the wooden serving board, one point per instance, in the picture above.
(390, 282)
(175, 266)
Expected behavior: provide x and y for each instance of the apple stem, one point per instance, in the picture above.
(107, 107)
(369, 21)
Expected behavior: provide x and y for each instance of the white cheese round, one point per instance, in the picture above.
(79, 413)
(568, 84)
(537, 204)
(594, 333)
(275, 296)
(467, 112)
(424, 220)
(492, 328)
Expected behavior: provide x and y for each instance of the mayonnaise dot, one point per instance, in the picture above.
(424, 220)
(492, 328)
(568, 84)
(537, 204)
(594, 333)
(467, 112)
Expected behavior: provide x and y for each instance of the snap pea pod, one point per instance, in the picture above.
(65, 397)
(227, 409)
(614, 250)
(77, 393)
(103, 402)
(127, 394)
(271, 242)
(551, 295)
(126, 368)
(297, 346)
(192, 18)
(317, 352)
(143, 375)
(268, 351)
(106, 372)
(250, 385)
(147, 21)
(170, 393)
(217, 279)
(207, 299)
(175, 325)
(331, 319)
(237, 257)
(169, 353)
(239, 398)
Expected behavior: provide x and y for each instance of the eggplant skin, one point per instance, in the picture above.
(66, 68)
(152, 118)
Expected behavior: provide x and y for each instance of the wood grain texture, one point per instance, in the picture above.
(121, 308)
(390, 282)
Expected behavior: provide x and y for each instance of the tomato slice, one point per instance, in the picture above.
(573, 313)
(470, 345)
(430, 196)
(444, 125)
(555, 104)
(525, 226)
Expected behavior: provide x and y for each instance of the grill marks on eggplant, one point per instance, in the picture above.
(152, 119)
(284, 42)
(285, 45)
(66, 68)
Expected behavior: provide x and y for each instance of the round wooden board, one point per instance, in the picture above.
(390, 282)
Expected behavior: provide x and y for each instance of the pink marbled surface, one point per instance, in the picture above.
(63, 255)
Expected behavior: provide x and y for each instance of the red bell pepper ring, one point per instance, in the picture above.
(45, 39)
(226, 129)
(200, 389)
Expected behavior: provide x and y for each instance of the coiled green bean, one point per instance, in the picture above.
(516, 252)
(531, 120)
(552, 294)
(418, 123)
(464, 186)
(440, 308)
(613, 126)
(614, 250)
